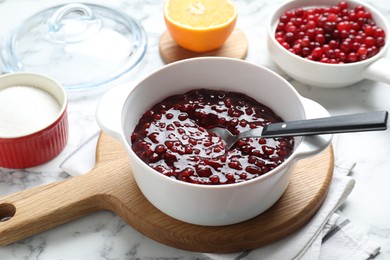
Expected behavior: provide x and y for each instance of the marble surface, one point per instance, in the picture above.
(103, 235)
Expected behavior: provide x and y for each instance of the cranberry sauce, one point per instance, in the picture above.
(172, 138)
(334, 34)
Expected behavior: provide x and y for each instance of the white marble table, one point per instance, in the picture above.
(103, 235)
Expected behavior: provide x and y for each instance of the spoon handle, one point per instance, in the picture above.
(370, 121)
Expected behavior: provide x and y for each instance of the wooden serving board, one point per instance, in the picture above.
(111, 186)
(236, 46)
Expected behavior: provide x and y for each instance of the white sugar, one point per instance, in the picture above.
(25, 110)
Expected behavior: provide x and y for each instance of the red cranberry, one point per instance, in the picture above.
(177, 144)
(352, 30)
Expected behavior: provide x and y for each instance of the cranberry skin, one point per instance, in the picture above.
(348, 31)
(176, 143)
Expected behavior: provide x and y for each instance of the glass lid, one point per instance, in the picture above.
(80, 45)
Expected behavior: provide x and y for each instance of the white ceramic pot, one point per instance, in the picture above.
(120, 109)
(328, 75)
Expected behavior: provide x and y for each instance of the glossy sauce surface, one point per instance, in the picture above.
(173, 138)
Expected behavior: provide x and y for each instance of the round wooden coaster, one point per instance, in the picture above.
(236, 46)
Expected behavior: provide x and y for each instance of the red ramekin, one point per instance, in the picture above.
(38, 147)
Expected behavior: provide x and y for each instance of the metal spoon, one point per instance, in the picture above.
(370, 121)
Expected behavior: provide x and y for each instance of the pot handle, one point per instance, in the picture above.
(315, 144)
(378, 71)
(109, 109)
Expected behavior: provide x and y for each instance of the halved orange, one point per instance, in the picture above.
(200, 25)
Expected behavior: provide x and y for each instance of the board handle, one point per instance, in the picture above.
(32, 211)
(35, 210)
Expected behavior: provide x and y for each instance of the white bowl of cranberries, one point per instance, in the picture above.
(184, 169)
(329, 43)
